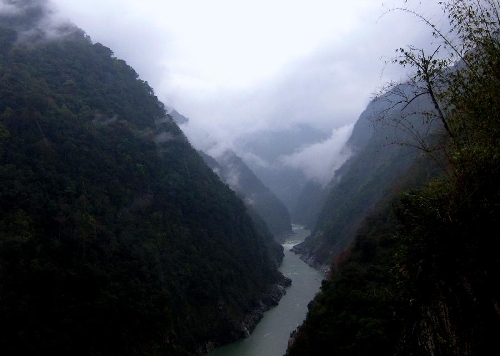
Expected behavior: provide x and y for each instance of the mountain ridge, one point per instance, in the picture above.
(115, 237)
(233, 170)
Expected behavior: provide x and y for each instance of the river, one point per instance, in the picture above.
(270, 336)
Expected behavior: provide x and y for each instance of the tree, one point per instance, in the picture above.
(459, 79)
(445, 264)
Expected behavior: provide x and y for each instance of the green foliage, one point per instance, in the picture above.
(254, 193)
(354, 314)
(446, 265)
(369, 176)
(441, 266)
(115, 237)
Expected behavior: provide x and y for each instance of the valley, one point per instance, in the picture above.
(271, 336)
(297, 216)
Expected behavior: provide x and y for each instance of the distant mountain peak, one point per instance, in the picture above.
(178, 118)
(241, 179)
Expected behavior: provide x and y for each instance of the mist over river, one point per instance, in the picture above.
(270, 337)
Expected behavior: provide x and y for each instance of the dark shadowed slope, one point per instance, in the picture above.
(254, 193)
(373, 171)
(115, 237)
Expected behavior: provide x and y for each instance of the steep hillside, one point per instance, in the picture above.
(313, 195)
(266, 150)
(421, 276)
(378, 164)
(115, 237)
(359, 310)
(178, 118)
(309, 204)
(353, 314)
(254, 193)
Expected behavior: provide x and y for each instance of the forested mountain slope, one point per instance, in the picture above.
(376, 166)
(115, 237)
(309, 203)
(269, 147)
(359, 310)
(254, 193)
(421, 276)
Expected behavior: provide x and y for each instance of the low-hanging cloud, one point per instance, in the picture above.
(35, 20)
(319, 161)
(327, 88)
(224, 66)
(9, 9)
(196, 61)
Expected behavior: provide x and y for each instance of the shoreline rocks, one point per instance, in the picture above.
(309, 258)
(244, 329)
(269, 299)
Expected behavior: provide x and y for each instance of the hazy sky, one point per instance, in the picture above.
(239, 66)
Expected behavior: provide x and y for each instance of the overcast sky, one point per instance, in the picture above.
(237, 66)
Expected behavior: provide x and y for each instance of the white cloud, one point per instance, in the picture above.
(8, 9)
(320, 161)
(238, 67)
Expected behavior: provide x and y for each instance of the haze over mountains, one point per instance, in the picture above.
(287, 160)
(118, 237)
(408, 228)
(378, 168)
(254, 193)
(115, 237)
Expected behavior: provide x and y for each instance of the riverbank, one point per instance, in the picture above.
(271, 334)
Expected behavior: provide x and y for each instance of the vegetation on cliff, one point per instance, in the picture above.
(424, 280)
(256, 196)
(115, 237)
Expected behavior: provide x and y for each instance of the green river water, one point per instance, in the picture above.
(270, 337)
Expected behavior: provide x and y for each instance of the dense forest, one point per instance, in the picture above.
(115, 237)
(421, 274)
(375, 169)
(256, 196)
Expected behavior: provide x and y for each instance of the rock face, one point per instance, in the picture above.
(309, 257)
(270, 298)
